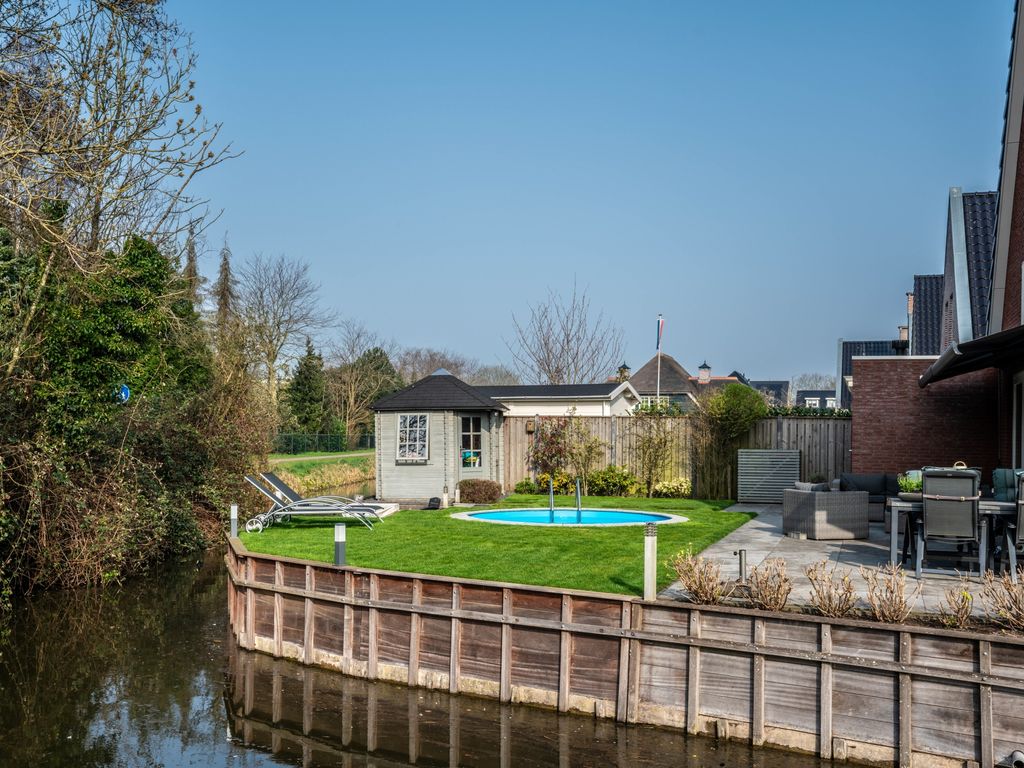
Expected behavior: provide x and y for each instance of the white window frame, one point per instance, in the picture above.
(830, 402)
(480, 435)
(812, 402)
(649, 400)
(403, 424)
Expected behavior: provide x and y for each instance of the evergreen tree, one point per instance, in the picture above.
(191, 270)
(306, 392)
(225, 292)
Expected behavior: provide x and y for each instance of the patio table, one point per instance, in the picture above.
(988, 511)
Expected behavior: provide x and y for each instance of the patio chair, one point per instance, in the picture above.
(949, 512)
(1013, 531)
(286, 503)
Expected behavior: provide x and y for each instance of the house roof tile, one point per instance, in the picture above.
(979, 233)
(927, 318)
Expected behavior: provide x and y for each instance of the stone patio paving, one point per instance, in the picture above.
(762, 538)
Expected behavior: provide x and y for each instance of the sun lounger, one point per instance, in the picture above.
(286, 503)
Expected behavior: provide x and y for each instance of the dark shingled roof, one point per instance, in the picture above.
(927, 333)
(821, 394)
(980, 234)
(439, 392)
(675, 380)
(602, 389)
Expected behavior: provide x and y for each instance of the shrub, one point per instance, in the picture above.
(564, 485)
(1004, 600)
(887, 593)
(479, 491)
(956, 605)
(831, 596)
(527, 486)
(701, 578)
(613, 481)
(680, 488)
(770, 585)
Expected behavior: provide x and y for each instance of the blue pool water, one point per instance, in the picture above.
(569, 517)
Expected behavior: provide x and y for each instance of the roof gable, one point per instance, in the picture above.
(980, 210)
(675, 380)
(439, 392)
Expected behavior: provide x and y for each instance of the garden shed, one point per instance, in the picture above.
(433, 434)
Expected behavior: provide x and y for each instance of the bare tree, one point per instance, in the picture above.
(493, 375)
(416, 362)
(279, 309)
(100, 133)
(563, 342)
(813, 381)
(361, 372)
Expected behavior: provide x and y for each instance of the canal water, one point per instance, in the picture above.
(148, 675)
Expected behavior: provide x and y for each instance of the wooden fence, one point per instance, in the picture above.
(824, 444)
(840, 689)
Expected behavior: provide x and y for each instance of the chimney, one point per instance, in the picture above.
(904, 332)
(704, 373)
(623, 373)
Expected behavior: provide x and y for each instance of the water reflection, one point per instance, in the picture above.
(318, 718)
(149, 676)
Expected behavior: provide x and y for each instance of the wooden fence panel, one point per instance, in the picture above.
(824, 444)
(844, 689)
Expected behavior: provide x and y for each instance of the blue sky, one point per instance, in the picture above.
(769, 176)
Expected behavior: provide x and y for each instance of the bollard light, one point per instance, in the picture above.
(650, 561)
(339, 544)
(234, 521)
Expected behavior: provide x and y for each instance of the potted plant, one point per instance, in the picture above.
(910, 485)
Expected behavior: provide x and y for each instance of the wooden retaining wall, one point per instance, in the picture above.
(824, 444)
(844, 689)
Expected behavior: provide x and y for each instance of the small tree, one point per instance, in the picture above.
(654, 441)
(549, 452)
(583, 449)
(719, 423)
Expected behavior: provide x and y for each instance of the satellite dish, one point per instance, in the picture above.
(122, 393)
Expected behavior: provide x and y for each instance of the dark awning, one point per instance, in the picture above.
(998, 350)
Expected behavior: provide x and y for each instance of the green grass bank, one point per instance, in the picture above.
(431, 542)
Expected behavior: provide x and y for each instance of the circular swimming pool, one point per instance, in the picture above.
(569, 516)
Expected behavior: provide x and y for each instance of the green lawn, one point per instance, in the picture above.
(598, 559)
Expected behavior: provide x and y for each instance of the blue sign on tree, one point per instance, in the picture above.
(122, 393)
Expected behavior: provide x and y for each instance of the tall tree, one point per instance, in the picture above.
(362, 374)
(564, 342)
(494, 376)
(225, 293)
(280, 308)
(190, 271)
(305, 393)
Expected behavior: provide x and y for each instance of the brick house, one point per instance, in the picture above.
(967, 403)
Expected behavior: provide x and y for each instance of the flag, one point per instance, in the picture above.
(661, 328)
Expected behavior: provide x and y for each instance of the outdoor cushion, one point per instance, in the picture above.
(892, 484)
(1004, 484)
(811, 486)
(874, 484)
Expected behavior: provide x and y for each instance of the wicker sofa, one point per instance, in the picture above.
(826, 514)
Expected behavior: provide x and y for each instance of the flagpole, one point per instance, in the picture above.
(657, 398)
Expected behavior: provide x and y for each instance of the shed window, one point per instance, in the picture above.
(811, 402)
(412, 436)
(830, 402)
(471, 441)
